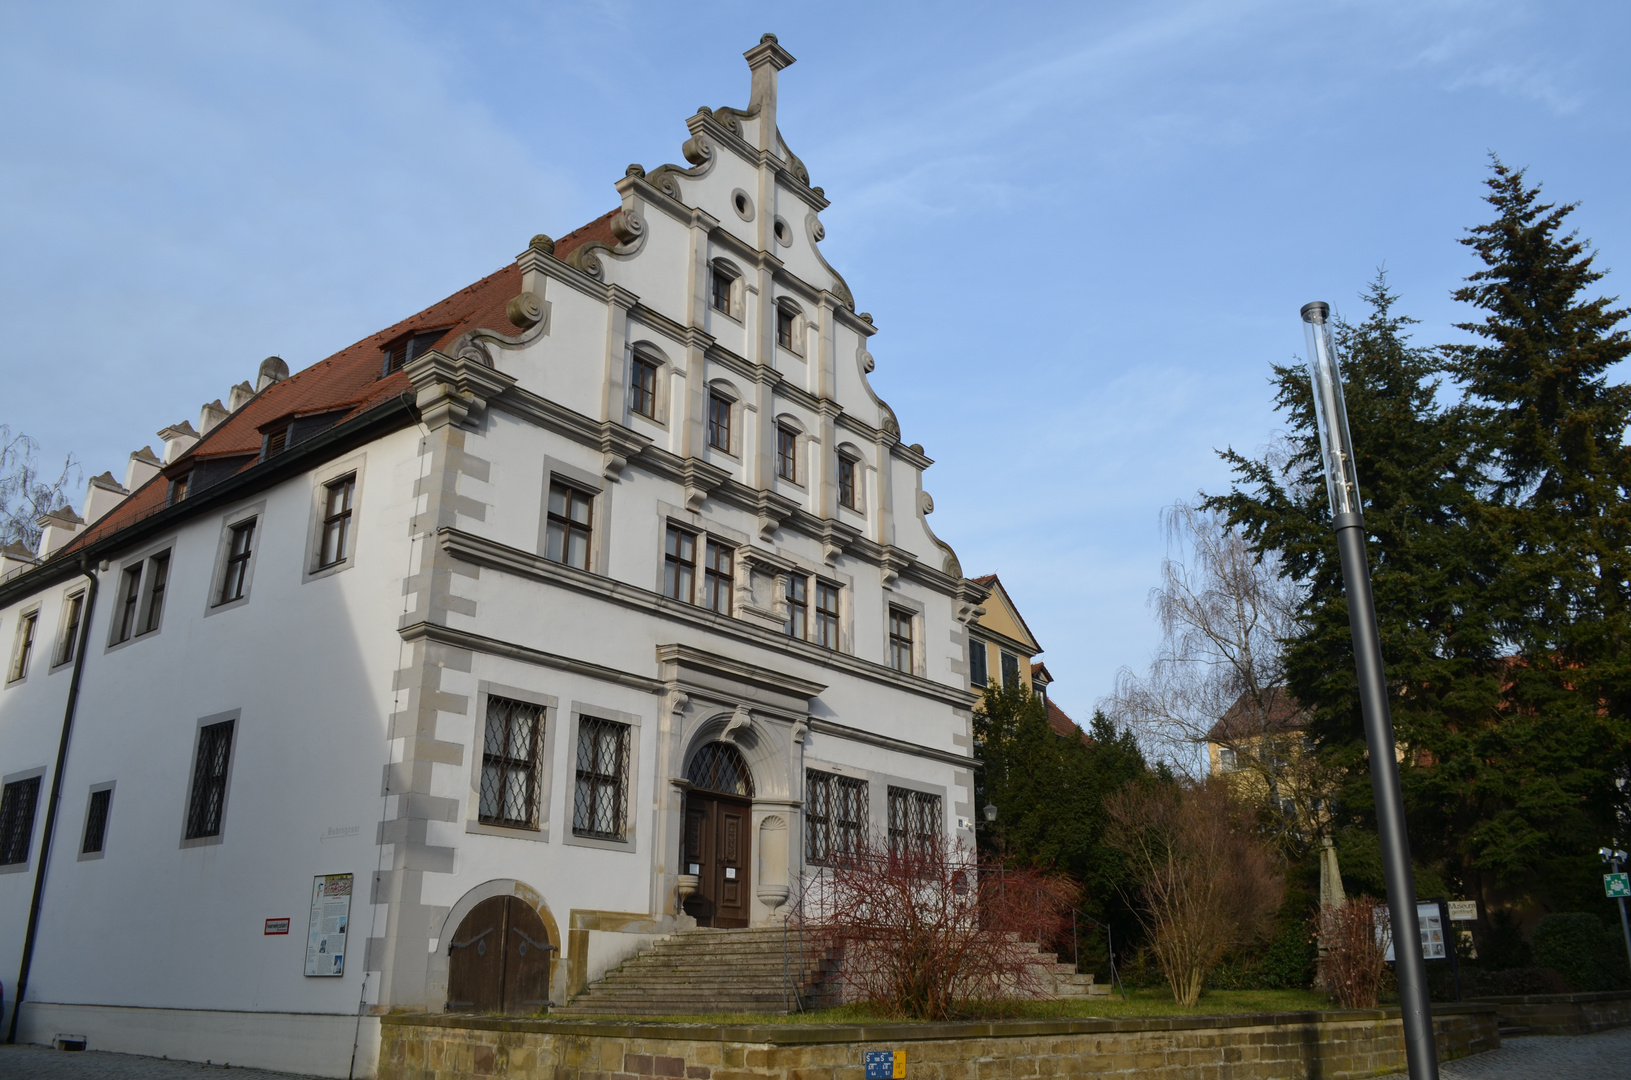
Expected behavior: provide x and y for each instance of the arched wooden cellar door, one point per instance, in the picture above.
(498, 960)
(718, 836)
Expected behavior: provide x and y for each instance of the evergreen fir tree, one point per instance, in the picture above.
(1433, 561)
(1538, 391)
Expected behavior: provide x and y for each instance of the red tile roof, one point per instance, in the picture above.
(349, 380)
(1063, 725)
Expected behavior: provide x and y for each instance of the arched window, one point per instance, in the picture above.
(719, 767)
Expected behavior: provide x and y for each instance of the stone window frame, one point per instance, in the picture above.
(671, 516)
(600, 507)
(321, 478)
(539, 833)
(735, 413)
(792, 425)
(235, 716)
(798, 332)
(915, 610)
(644, 351)
(721, 269)
(90, 793)
(61, 656)
(144, 600)
(28, 618)
(633, 801)
(229, 522)
(38, 821)
(849, 452)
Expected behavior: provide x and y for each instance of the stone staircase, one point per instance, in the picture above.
(759, 969)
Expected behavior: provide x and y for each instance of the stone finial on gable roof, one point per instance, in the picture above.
(765, 60)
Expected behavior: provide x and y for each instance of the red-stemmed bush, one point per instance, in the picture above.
(1354, 949)
(927, 932)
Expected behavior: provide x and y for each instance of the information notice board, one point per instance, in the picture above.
(330, 916)
(1429, 916)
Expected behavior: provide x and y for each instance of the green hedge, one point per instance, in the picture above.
(1579, 947)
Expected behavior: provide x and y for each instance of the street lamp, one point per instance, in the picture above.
(1614, 857)
(1342, 485)
(990, 813)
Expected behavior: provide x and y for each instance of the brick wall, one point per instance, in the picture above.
(1328, 1045)
(1565, 1014)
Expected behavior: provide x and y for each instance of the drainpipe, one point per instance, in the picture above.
(56, 796)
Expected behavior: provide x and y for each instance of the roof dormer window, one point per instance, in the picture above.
(408, 347)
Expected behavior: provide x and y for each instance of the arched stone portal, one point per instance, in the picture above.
(717, 841)
(498, 960)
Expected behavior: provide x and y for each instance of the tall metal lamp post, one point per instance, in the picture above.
(1342, 485)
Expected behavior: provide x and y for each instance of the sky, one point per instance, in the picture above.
(1084, 229)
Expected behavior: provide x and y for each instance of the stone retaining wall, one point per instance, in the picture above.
(1273, 1046)
(1565, 1014)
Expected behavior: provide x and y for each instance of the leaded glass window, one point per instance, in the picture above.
(719, 767)
(914, 823)
(509, 763)
(600, 805)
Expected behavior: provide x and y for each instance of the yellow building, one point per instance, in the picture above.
(1002, 649)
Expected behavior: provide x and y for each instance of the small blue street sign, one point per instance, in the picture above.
(1617, 884)
(885, 1064)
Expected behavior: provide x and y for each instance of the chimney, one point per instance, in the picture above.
(179, 438)
(273, 370)
(209, 417)
(14, 559)
(144, 465)
(102, 494)
(238, 395)
(57, 528)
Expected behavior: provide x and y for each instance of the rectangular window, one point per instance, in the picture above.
(978, 675)
(130, 599)
(569, 525)
(680, 565)
(826, 625)
(509, 763)
(158, 579)
(798, 606)
(784, 328)
(900, 640)
(1010, 670)
(336, 539)
(787, 460)
(835, 816)
(240, 545)
(600, 804)
(716, 581)
(643, 388)
(1226, 759)
(207, 804)
(73, 610)
(96, 821)
(17, 804)
(23, 648)
(914, 823)
(848, 488)
(721, 291)
(719, 423)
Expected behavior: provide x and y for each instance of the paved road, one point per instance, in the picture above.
(41, 1063)
(1603, 1056)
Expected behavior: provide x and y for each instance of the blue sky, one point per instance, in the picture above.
(1084, 229)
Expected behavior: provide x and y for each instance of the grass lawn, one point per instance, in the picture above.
(1140, 1003)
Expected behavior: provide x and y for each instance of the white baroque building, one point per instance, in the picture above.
(607, 570)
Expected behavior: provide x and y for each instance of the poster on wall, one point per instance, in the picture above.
(1431, 920)
(326, 933)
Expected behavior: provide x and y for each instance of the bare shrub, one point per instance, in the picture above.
(1203, 883)
(24, 494)
(1354, 963)
(929, 933)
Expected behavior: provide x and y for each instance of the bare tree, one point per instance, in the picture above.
(1218, 675)
(1204, 884)
(928, 932)
(24, 496)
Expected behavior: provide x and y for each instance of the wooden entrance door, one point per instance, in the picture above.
(498, 960)
(718, 849)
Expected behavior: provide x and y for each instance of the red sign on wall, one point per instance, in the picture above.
(277, 926)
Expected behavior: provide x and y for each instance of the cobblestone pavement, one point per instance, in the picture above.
(43, 1063)
(1603, 1056)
